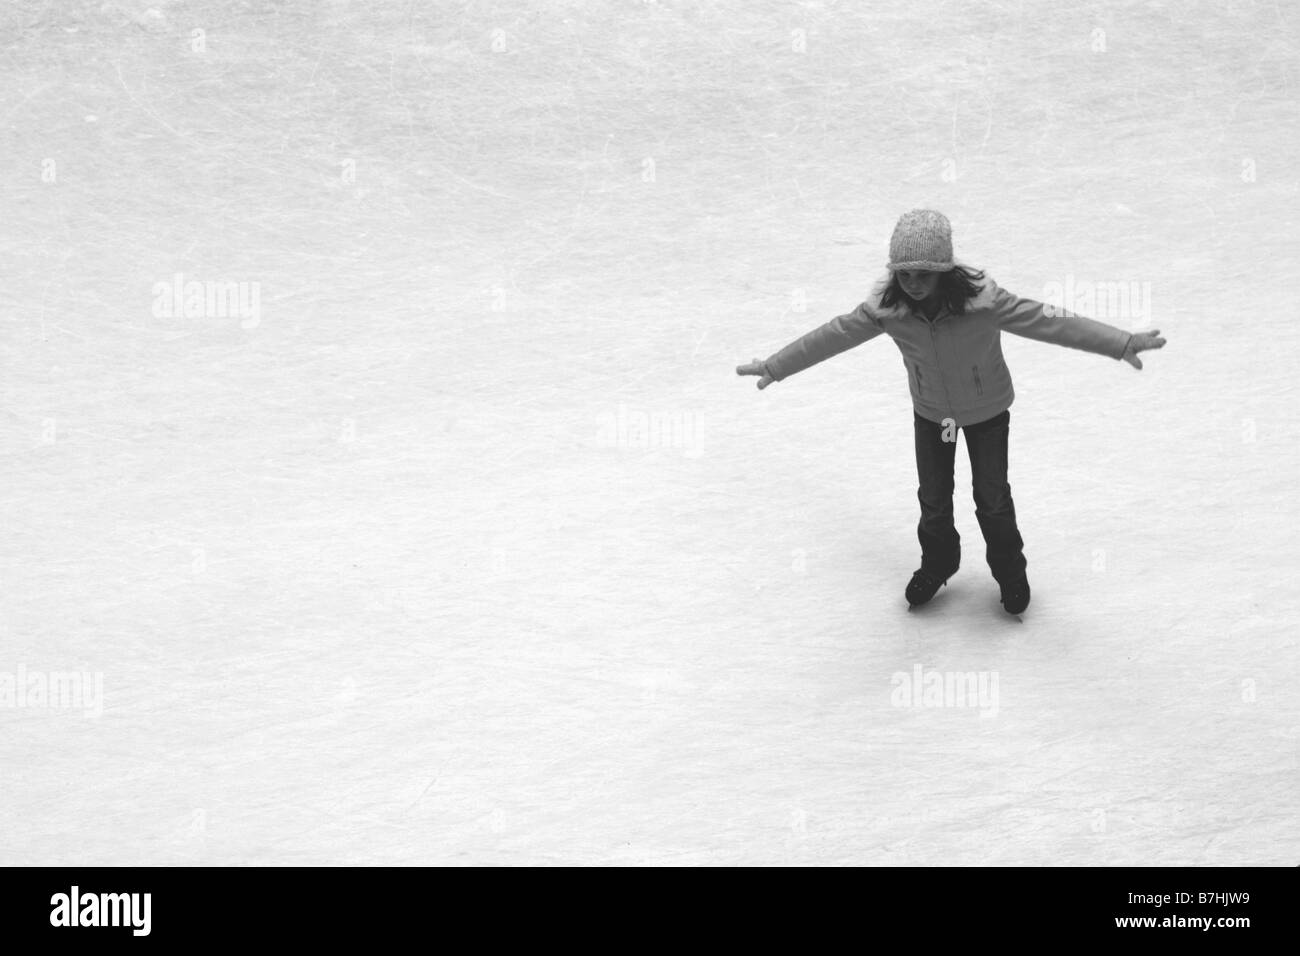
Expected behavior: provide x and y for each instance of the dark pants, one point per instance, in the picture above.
(986, 442)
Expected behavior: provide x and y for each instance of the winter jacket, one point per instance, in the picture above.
(954, 363)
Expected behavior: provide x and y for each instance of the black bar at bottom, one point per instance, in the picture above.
(143, 906)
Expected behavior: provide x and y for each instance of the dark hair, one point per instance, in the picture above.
(956, 288)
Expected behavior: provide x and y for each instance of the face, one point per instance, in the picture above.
(918, 284)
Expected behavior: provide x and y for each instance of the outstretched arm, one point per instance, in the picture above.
(1034, 320)
(838, 335)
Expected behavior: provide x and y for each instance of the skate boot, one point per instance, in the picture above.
(1015, 595)
(924, 585)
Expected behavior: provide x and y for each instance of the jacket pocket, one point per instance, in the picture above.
(979, 384)
(916, 370)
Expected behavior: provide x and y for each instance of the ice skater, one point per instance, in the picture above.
(946, 319)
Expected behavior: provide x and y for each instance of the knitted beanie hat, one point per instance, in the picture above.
(922, 241)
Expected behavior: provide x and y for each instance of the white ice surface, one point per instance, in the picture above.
(373, 582)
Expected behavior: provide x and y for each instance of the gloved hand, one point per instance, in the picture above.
(1141, 342)
(756, 368)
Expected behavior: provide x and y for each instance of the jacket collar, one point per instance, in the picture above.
(917, 313)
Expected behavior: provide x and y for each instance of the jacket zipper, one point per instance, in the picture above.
(979, 386)
(934, 341)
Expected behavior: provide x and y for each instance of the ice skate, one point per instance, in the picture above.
(1015, 595)
(924, 586)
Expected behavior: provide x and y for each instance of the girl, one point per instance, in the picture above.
(946, 320)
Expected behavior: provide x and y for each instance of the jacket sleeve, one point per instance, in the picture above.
(1034, 320)
(838, 335)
